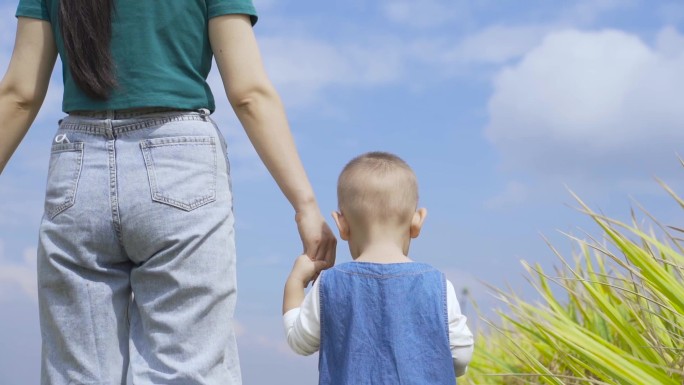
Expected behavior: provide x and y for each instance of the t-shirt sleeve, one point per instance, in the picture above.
(228, 7)
(35, 9)
(460, 337)
(303, 324)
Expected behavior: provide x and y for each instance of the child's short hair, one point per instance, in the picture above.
(378, 186)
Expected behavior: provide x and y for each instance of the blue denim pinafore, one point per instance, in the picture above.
(384, 324)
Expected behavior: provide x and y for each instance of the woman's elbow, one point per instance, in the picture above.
(22, 97)
(248, 100)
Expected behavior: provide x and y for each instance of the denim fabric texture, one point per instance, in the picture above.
(136, 258)
(384, 324)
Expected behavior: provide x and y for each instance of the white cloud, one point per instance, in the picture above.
(498, 44)
(21, 275)
(425, 13)
(302, 67)
(588, 11)
(513, 194)
(591, 104)
(670, 42)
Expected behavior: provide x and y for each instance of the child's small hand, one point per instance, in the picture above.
(305, 270)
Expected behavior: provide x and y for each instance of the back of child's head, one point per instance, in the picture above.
(378, 187)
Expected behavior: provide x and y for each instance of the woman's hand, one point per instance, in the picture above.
(317, 238)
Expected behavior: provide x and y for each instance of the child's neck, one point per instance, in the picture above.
(380, 252)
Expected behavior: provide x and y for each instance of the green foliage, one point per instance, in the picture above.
(620, 320)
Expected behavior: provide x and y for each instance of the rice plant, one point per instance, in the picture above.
(619, 317)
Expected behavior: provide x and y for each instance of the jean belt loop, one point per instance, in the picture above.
(204, 113)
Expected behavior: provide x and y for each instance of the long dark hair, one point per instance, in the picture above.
(86, 28)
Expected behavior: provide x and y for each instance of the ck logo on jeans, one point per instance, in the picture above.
(61, 138)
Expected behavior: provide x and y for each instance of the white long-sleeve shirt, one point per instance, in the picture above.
(303, 328)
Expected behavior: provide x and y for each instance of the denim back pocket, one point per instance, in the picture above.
(66, 160)
(181, 170)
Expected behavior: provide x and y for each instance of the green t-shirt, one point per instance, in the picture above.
(161, 52)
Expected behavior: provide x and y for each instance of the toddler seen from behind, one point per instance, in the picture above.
(383, 318)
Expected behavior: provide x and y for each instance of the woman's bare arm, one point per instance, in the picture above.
(258, 106)
(23, 88)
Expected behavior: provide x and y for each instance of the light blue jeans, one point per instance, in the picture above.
(136, 259)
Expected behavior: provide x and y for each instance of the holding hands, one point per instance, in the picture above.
(305, 270)
(317, 238)
(319, 254)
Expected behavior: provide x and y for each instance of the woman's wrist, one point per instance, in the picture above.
(306, 205)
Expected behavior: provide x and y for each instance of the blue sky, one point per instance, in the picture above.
(500, 107)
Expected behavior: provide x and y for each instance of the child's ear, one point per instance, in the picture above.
(342, 225)
(417, 222)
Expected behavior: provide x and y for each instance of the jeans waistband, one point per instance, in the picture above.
(124, 114)
(112, 123)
